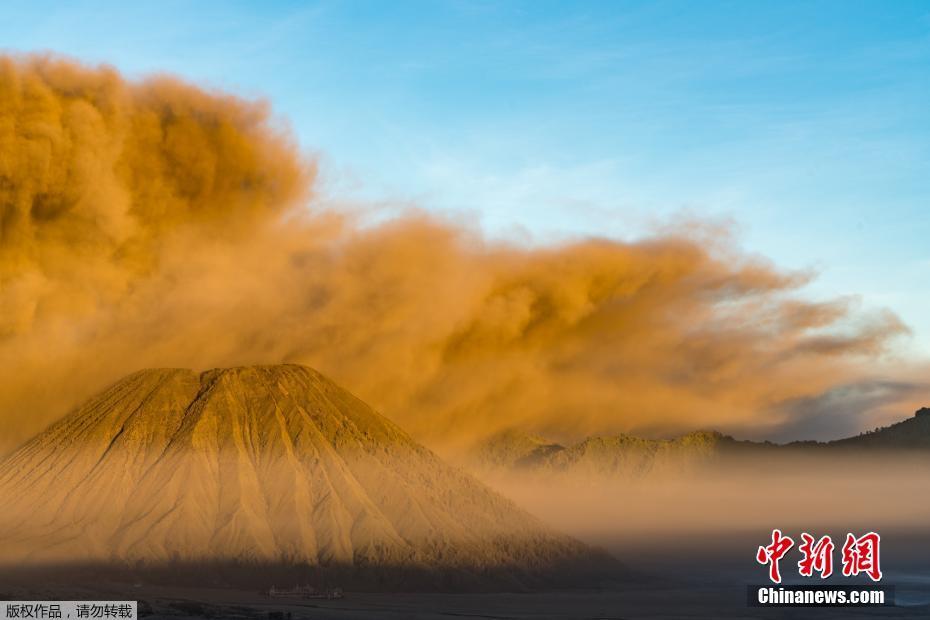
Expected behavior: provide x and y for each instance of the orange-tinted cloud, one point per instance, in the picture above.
(155, 224)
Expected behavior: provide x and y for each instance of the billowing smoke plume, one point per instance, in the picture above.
(155, 224)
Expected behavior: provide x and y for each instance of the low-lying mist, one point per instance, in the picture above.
(740, 499)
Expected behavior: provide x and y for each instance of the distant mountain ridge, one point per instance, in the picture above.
(631, 456)
(257, 464)
(910, 434)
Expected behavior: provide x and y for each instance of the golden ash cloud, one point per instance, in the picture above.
(155, 224)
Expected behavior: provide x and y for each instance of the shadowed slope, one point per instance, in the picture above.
(910, 434)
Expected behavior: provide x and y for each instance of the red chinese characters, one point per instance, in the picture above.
(817, 556)
(861, 555)
(773, 553)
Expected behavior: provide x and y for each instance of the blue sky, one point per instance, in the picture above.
(805, 124)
